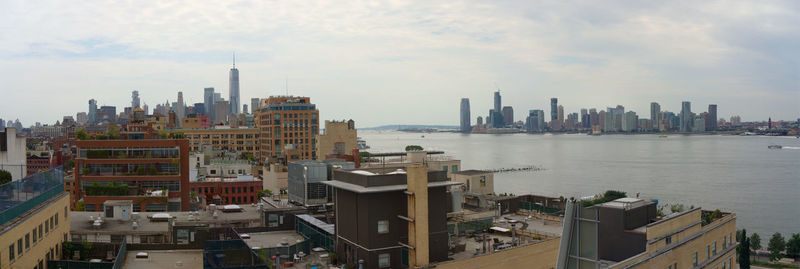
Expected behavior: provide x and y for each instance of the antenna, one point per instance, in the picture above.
(287, 85)
(495, 85)
(234, 59)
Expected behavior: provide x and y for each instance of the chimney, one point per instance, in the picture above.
(416, 157)
(417, 180)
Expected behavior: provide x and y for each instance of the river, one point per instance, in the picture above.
(731, 173)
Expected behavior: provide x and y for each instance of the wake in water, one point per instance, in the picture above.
(791, 147)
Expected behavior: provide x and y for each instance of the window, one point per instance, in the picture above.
(27, 241)
(444, 168)
(11, 252)
(675, 265)
(56, 219)
(483, 181)
(670, 266)
(455, 168)
(694, 259)
(46, 226)
(669, 240)
(383, 260)
(383, 227)
(724, 242)
(19, 247)
(40, 232)
(714, 249)
(51, 224)
(34, 235)
(708, 252)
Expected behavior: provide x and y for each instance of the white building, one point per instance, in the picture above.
(12, 153)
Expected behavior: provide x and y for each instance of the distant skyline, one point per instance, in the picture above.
(403, 62)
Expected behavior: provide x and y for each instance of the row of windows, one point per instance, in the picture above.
(37, 234)
(202, 190)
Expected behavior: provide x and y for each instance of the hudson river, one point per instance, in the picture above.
(730, 173)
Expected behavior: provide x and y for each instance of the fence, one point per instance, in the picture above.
(317, 236)
(536, 207)
(19, 197)
(462, 228)
(119, 260)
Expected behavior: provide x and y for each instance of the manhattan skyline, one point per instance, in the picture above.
(734, 54)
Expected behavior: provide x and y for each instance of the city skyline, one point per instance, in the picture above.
(596, 55)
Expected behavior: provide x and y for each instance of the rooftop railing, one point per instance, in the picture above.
(20, 196)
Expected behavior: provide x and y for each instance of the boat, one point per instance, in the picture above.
(663, 136)
(775, 146)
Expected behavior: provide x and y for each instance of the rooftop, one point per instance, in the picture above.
(329, 228)
(472, 172)
(626, 203)
(273, 239)
(164, 259)
(387, 188)
(83, 222)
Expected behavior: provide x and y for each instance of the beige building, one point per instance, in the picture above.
(12, 153)
(276, 177)
(403, 159)
(338, 138)
(627, 233)
(35, 236)
(475, 181)
(238, 139)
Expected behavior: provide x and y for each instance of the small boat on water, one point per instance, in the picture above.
(775, 146)
(663, 136)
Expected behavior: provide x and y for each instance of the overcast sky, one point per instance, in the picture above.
(401, 62)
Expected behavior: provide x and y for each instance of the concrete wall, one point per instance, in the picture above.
(336, 132)
(50, 240)
(540, 255)
(475, 186)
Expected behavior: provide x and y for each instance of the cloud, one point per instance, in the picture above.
(351, 57)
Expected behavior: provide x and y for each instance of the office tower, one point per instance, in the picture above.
(208, 102)
(699, 124)
(553, 109)
(630, 121)
(180, 108)
(244, 109)
(560, 114)
(466, 125)
(539, 119)
(3, 123)
(655, 110)
(497, 102)
(233, 89)
(145, 107)
(736, 121)
(479, 122)
(290, 125)
(254, 104)
(686, 117)
(593, 117)
(601, 120)
(92, 111)
(221, 112)
(508, 115)
(107, 113)
(584, 118)
(218, 97)
(200, 109)
(711, 119)
(82, 118)
(135, 99)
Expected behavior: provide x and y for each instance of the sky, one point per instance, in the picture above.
(404, 62)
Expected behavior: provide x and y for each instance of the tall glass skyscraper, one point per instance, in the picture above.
(233, 89)
(466, 125)
(208, 101)
(553, 109)
(135, 99)
(655, 110)
(92, 111)
(686, 117)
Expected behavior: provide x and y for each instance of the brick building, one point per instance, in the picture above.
(284, 121)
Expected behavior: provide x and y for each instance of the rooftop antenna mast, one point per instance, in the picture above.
(234, 59)
(287, 85)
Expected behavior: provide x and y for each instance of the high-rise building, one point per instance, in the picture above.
(288, 123)
(686, 117)
(180, 108)
(479, 121)
(553, 109)
(466, 124)
(218, 97)
(736, 121)
(92, 111)
(699, 123)
(535, 121)
(711, 119)
(244, 109)
(508, 115)
(254, 104)
(655, 110)
(584, 118)
(497, 101)
(200, 109)
(135, 99)
(208, 102)
(593, 117)
(107, 113)
(221, 112)
(629, 121)
(233, 89)
(82, 118)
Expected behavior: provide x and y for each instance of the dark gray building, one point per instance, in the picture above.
(711, 118)
(508, 115)
(305, 180)
(466, 124)
(686, 117)
(371, 206)
(208, 100)
(553, 109)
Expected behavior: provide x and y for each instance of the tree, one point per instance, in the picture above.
(264, 192)
(755, 242)
(414, 148)
(743, 250)
(5, 176)
(793, 246)
(776, 246)
(81, 134)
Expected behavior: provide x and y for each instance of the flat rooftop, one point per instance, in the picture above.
(164, 259)
(626, 203)
(83, 222)
(273, 239)
(472, 172)
(376, 189)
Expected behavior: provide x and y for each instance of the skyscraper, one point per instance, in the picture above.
(135, 99)
(497, 102)
(711, 119)
(208, 101)
(585, 118)
(479, 121)
(553, 109)
(686, 117)
(200, 109)
(508, 115)
(233, 89)
(180, 108)
(466, 125)
(496, 113)
(92, 111)
(655, 110)
(254, 104)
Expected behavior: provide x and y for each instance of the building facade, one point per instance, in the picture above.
(153, 173)
(12, 153)
(465, 123)
(655, 111)
(288, 121)
(686, 117)
(338, 138)
(208, 102)
(233, 90)
(238, 139)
